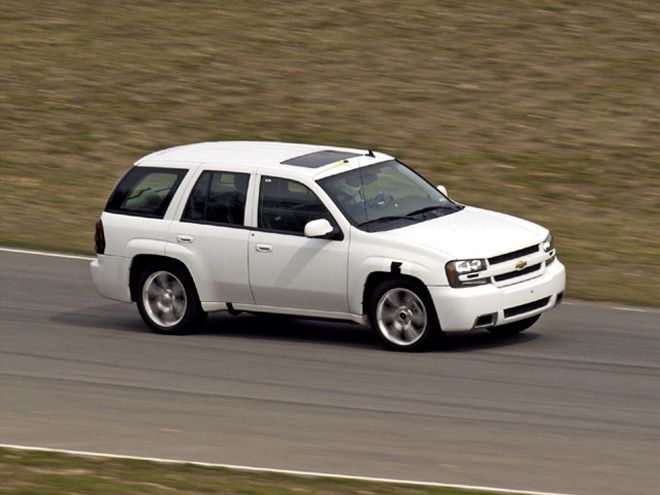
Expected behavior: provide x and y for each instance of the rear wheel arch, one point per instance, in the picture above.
(142, 261)
(165, 294)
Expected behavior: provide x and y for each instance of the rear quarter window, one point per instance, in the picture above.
(145, 191)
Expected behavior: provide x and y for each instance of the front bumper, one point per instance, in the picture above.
(110, 275)
(459, 309)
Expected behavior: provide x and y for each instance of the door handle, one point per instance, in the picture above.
(264, 248)
(184, 239)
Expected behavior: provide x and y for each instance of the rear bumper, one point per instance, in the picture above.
(110, 275)
(459, 309)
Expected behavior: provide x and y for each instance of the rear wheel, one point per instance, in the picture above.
(167, 299)
(402, 314)
(515, 327)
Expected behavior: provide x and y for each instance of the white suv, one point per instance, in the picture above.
(316, 231)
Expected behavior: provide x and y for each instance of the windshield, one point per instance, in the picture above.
(386, 196)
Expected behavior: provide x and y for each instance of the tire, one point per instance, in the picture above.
(402, 314)
(167, 299)
(514, 328)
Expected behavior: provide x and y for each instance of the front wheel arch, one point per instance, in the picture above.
(420, 293)
(376, 278)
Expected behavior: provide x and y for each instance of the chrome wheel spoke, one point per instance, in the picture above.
(391, 301)
(178, 308)
(419, 319)
(410, 334)
(153, 291)
(388, 315)
(168, 315)
(161, 280)
(160, 313)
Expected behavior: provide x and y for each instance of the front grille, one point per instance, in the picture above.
(513, 255)
(517, 273)
(526, 308)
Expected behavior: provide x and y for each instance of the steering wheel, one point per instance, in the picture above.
(381, 200)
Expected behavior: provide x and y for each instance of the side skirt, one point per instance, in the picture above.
(310, 313)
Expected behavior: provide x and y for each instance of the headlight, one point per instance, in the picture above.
(548, 244)
(549, 247)
(465, 273)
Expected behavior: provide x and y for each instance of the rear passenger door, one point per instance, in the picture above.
(211, 238)
(287, 269)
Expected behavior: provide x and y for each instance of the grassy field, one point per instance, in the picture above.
(547, 109)
(45, 473)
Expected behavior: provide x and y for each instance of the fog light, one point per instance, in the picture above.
(486, 321)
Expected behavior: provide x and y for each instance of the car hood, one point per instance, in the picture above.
(470, 233)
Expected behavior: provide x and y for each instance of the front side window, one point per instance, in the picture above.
(145, 191)
(218, 198)
(385, 196)
(286, 206)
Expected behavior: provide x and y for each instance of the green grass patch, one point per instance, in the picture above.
(48, 473)
(543, 109)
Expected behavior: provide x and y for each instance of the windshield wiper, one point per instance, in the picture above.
(384, 219)
(411, 215)
(431, 208)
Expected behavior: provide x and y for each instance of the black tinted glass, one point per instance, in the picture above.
(219, 198)
(287, 206)
(319, 158)
(145, 191)
(386, 195)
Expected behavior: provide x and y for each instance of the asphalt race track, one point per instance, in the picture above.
(572, 405)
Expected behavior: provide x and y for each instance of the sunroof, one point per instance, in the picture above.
(319, 158)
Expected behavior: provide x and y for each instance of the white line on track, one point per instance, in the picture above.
(279, 471)
(90, 258)
(609, 306)
(625, 308)
(44, 253)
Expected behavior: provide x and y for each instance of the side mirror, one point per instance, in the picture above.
(318, 228)
(442, 189)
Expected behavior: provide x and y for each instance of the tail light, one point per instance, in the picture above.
(99, 238)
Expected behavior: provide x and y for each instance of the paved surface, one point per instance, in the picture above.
(571, 405)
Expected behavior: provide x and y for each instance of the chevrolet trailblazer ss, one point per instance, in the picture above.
(316, 231)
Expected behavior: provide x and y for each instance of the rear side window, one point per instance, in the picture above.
(218, 198)
(145, 191)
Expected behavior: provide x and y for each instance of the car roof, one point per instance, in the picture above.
(312, 160)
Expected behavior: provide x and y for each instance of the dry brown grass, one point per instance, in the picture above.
(544, 109)
(47, 473)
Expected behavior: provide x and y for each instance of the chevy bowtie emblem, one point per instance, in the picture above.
(521, 264)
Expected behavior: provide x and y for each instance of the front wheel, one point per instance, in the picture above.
(515, 327)
(402, 314)
(167, 299)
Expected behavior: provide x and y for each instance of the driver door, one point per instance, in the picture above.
(287, 269)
